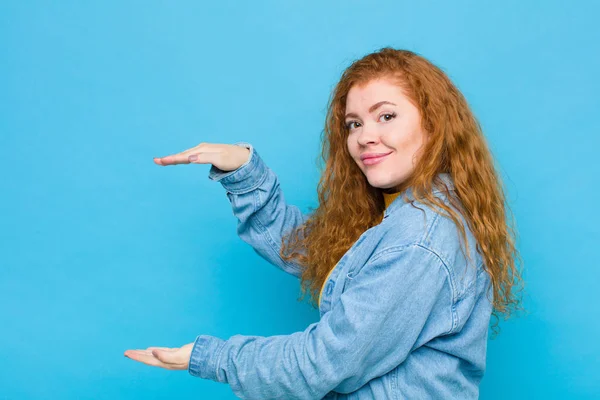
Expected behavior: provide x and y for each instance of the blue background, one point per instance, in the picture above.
(101, 250)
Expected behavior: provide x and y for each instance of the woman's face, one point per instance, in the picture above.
(380, 119)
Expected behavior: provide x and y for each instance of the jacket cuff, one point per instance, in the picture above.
(204, 359)
(244, 179)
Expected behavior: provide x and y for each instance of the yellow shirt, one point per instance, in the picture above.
(388, 198)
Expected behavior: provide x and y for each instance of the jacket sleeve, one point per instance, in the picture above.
(258, 202)
(396, 302)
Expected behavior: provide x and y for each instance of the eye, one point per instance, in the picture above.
(349, 125)
(391, 115)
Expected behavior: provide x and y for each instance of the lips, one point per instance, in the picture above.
(372, 155)
(370, 160)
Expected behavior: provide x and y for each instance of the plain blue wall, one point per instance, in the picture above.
(102, 251)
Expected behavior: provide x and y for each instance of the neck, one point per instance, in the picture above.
(388, 198)
(390, 190)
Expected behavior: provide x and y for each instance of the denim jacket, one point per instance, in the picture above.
(403, 314)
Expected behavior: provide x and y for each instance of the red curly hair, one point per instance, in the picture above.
(455, 145)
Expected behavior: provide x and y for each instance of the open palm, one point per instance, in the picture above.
(175, 358)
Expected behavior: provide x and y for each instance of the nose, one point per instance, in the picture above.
(368, 135)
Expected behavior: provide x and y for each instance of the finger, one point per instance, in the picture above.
(204, 157)
(172, 160)
(147, 359)
(144, 351)
(182, 158)
(161, 348)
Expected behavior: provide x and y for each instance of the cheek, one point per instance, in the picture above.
(410, 143)
(352, 147)
(354, 151)
(414, 147)
(419, 140)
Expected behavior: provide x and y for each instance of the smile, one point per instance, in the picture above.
(375, 160)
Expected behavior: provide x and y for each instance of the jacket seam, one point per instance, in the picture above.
(453, 313)
(268, 237)
(218, 360)
(245, 190)
(432, 225)
(451, 282)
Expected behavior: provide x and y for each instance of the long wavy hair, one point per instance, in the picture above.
(455, 145)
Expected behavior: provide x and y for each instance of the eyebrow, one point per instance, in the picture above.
(371, 109)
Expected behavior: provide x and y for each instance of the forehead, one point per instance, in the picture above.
(373, 91)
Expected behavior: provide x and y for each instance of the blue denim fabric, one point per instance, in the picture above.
(404, 314)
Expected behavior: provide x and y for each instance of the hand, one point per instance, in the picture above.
(226, 157)
(164, 357)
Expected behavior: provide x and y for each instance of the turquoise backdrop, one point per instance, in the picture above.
(101, 250)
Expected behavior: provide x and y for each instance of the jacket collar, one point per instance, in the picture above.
(445, 177)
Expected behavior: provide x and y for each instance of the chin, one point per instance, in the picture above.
(380, 185)
(384, 184)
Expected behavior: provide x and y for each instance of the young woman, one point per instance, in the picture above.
(408, 254)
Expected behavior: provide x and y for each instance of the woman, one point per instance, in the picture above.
(408, 254)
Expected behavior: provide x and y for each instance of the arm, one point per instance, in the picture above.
(398, 301)
(259, 205)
